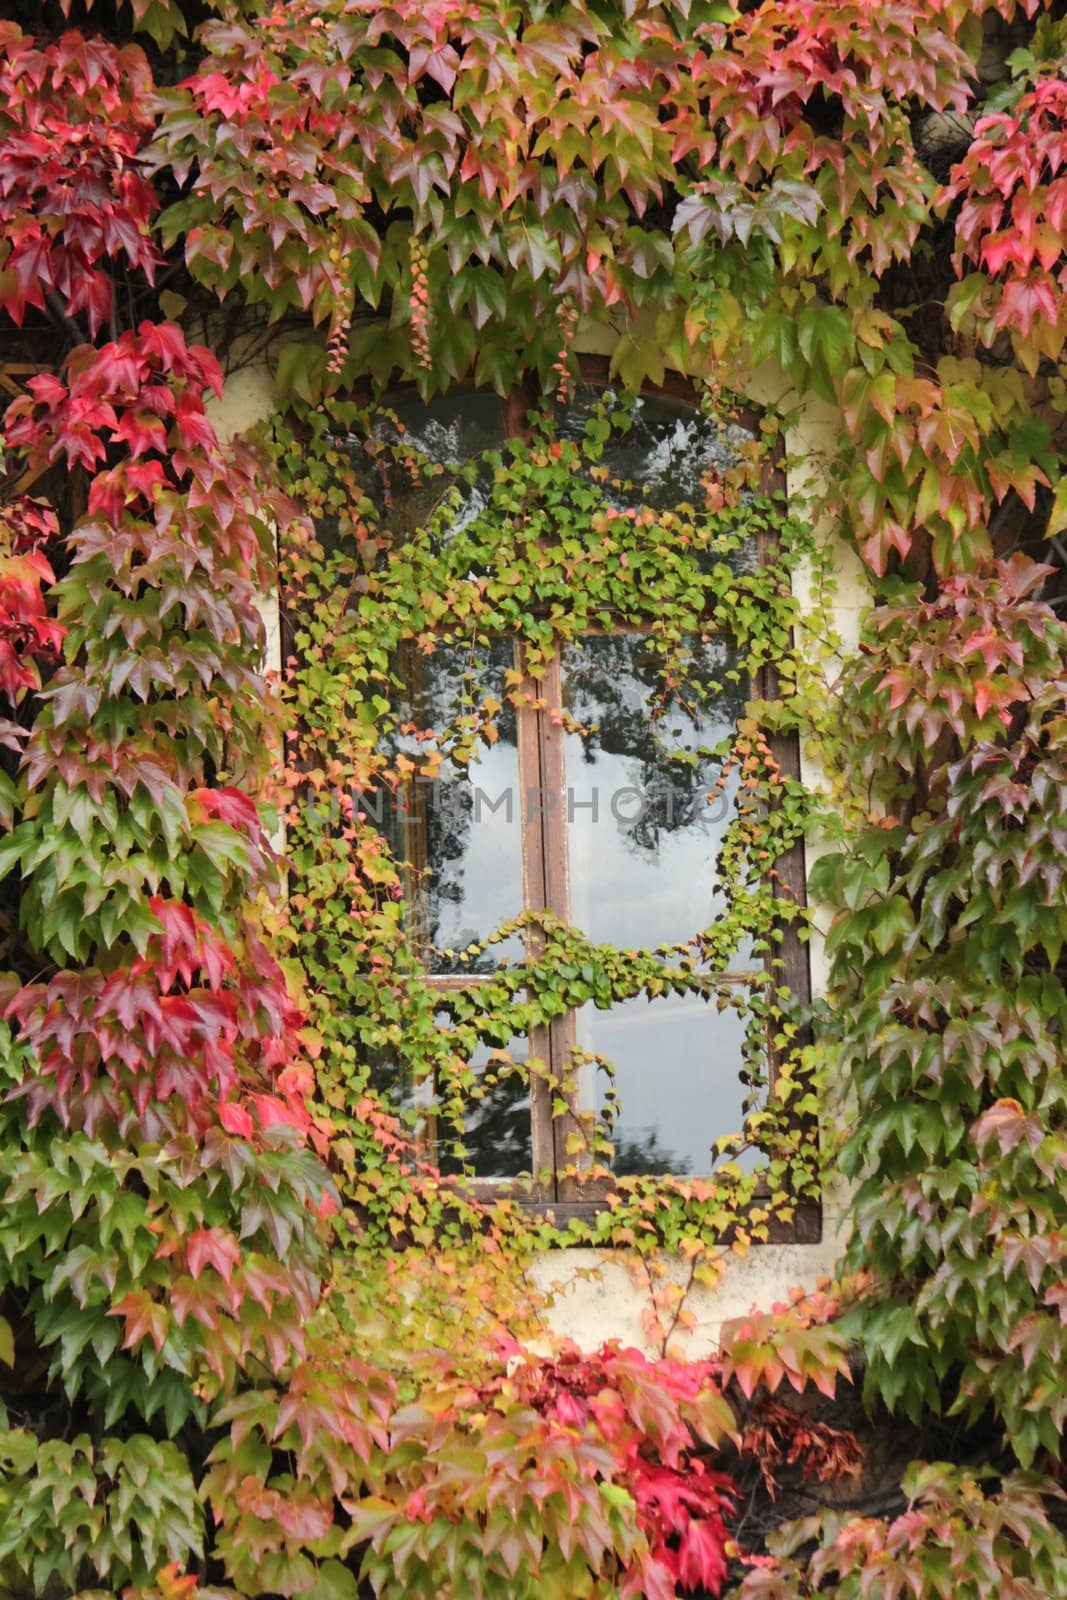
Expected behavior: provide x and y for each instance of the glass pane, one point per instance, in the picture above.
(644, 831)
(460, 832)
(666, 453)
(450, 429)
(497, 1127)
(677, 1062)
(428, 443)
(392, 1077)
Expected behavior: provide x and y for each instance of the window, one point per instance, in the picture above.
(600, 803)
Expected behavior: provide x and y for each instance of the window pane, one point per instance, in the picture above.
(643, 830)
(448, 432)
(667, 454)
(449, 429)
(668, 448)
(460, 832)
(677, 1062)
(392, 1077)
(497, 1126)
(410, 463)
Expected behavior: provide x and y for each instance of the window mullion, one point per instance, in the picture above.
(535, 898)
(554, 820)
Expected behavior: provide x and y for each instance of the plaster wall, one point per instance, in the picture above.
(597, 1295)
(247, 398)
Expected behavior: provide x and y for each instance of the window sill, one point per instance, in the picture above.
(805, 1227)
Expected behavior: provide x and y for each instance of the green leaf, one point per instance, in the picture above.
(299, 371)
(827, 331)
(1058, 516)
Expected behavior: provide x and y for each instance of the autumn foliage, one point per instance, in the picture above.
(457, 192)
(73, 195)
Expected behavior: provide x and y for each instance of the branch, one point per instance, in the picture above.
(59, 314)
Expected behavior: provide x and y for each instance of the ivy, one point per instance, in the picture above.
(198, 1389)
(949, 953)
(954, 1532)
(544, 553)
(627, 144)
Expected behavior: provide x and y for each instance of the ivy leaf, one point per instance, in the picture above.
(299, 370)
(825, 331)
(1057, 521)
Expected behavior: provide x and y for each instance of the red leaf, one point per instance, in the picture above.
(194, 428)
(236, 1120)
(653, 1579)
(145, 1318)
(1009, 1124)
(142, 431)
(701, 1556)
(230, 805)
(214, 1247)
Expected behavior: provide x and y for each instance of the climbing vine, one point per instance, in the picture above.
(544, 556)
(227, 1268)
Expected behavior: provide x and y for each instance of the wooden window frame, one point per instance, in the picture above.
(545, 871)
(545, 876)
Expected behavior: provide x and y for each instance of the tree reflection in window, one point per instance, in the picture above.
(664, 452)
(458, 830)
(646, 820)
(495, 1138)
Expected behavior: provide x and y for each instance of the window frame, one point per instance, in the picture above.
(545, 875)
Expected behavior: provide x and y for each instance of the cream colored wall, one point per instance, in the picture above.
(601, 1294)
(248, 398)
(597, 1295)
